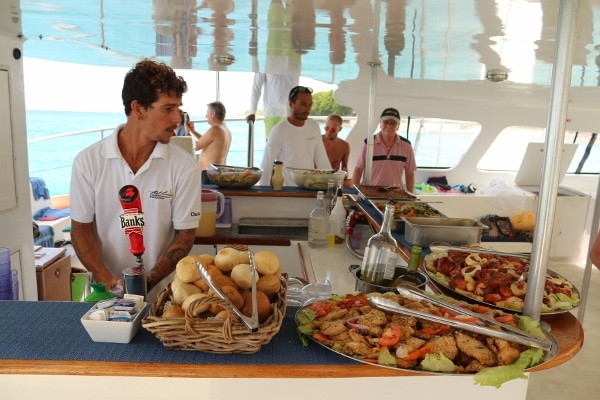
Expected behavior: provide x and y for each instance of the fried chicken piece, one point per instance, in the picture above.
(357, 337)
(474, 366)
(375, 320)
(372, 318)
(407, 324)
(506, 353)
(354, 349)
(474, 348)
(406, 364)
(342, 338)
(335, 314)
(444, 344)
(332, 328)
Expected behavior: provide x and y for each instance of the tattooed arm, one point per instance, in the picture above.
(88, 251)
(178, 248)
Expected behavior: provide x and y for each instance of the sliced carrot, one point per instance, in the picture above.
(415, 355)
(482, 309)
(505, 318)
(434, 331)
(320, 336)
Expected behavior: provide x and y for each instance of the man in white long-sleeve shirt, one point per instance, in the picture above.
(295, 141)
(274, 89)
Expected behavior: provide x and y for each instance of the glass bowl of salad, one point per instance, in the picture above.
(229, 177)
(316, 179)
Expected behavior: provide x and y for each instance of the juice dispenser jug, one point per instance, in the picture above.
(208, 218)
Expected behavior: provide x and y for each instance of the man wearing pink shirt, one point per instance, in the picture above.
(393, 156)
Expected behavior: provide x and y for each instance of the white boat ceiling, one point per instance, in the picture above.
(453, 40)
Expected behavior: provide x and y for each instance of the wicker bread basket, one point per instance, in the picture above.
(212, 335)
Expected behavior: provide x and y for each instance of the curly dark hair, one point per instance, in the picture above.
(149, 79)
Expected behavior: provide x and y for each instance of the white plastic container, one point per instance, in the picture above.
(112, 331)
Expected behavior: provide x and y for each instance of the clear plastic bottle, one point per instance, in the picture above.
(338, 218)
(381, 254)
(318, 224)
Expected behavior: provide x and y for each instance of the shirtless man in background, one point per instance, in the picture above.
(338, 150)
(215, 142)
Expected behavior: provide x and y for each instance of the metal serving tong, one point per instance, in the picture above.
(443, 246)
(250, 322)
(506, 332)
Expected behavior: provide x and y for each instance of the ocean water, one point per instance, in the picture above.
(52, 159)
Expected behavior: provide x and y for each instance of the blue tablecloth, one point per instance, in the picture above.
(53, 331)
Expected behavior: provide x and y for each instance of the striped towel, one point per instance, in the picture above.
(39, 189)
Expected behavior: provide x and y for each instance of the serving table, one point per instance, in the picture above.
(46, 352)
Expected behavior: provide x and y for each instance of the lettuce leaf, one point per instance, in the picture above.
(531, 326)
(385, 358)
(496, 376)
(305, 330)
(437, 363)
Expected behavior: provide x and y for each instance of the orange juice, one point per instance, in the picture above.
(207, 224)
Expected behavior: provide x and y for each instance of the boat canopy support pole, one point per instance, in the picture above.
(375, 65)
(557, 116)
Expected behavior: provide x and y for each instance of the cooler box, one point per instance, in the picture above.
(53, 273)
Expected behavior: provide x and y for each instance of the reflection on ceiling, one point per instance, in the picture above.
(329, 40)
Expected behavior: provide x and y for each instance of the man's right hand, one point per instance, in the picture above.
(250, 117)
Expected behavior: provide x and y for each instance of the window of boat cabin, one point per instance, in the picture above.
(439, 143)
(507, 151)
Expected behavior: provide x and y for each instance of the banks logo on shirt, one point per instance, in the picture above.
(161, 194)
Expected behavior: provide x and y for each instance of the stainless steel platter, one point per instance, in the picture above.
(445, 289)
(548, 354)
(405, 208)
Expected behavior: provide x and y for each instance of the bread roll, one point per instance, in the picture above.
(224, 280)
(241, 274)
(227, 258)
(244, 257)
(198, 309)
(206, 259)
(186, 269)
(214, 308)
(173, 312)
(269, 285)
(201, 283)
(183, 290)
(213, 271)
(222, 315)
(233, 295)
(263, 306)
(267, 262)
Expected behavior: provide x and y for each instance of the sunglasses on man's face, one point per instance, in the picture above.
(330, 129)
(299, 89)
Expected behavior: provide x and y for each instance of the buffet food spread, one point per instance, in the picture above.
(496, 280)
(351, 326)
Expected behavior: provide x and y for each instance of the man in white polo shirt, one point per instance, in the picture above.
(393, 156)
(138, 153)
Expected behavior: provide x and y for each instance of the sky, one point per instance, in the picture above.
(57, 86)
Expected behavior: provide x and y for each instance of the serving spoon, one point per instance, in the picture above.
(445, 247)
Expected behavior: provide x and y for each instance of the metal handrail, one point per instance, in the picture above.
(74, 133)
